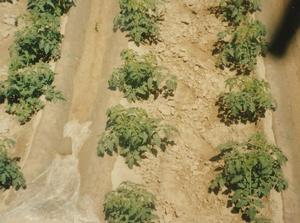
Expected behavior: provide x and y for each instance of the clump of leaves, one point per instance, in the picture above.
(54, 7)
(10, 172)
(129, 203)
(38, 41)
(140, 19)
(132, 133)
(249, 171)
(238, 49)
(24, 88)
(248, 99)
(235, 11)
(140, 77)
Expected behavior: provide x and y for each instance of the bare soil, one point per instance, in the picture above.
(284, 75)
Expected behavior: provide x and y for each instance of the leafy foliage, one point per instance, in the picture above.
(248, 99)
(129, 203)
(30, 80)
(249, 171)
(10, 172)
(38, 41)
(139, 77)
(24, 88)
(235, 11)
(238, 49)
(131, 133)
(53, 7)
(140, 19)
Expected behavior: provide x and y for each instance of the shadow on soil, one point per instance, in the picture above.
(286, 30)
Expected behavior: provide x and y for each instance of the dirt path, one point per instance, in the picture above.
(284, 76)
(66, 180)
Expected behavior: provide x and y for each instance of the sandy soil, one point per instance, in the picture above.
(284, 76)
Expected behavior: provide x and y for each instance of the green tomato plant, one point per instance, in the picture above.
(140, 77)
(129, 203)
(248, 171)
(132, 133)
(235, 11)
(24, 89)
(248, 99)
(38, 41)
(238, 48)
(53, 7)
(139, 18)
(10, 173)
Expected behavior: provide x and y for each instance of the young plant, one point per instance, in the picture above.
(238, 49)
(129, 203)
(10, 172)
(248, 172)
(235, 11)
(140, 19)
(24, 88)
(53, 7)
(132, 133)
(139, 77)
(248, 99)
(38, 41)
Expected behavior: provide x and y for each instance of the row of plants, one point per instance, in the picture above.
(249, 170)
(131, 132)
(30, 79)
(237, 49)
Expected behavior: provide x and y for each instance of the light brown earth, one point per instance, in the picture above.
(66, 180)
(284, 76)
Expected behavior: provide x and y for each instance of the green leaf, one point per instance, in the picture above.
(131, 133)
(10, 173)
(239, 48)
(235, 11)
(248, 100)
(38, 41)
(139, 18)
(24, 89)
(54, 7)
(129, 203)
(139, 77)
(248, 172)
